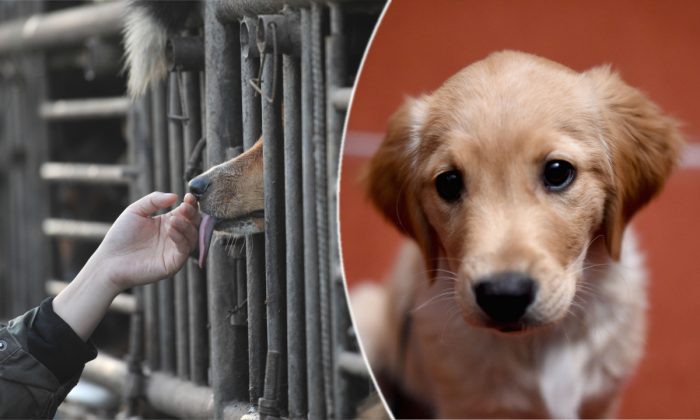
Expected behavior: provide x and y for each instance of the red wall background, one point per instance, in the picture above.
(656, 47)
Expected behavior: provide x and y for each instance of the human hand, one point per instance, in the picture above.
(140, 249)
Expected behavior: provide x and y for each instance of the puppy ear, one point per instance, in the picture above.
(643, 147)
(390, 179)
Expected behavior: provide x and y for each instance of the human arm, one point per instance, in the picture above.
(42, 353)
(138, 249)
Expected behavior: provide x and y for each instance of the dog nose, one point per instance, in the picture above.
(198, 186)
(505, 297)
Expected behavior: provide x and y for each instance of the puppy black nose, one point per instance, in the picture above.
(505, 297)
(198, 186)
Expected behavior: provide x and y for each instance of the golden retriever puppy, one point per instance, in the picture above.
(522, 294)
(228, 192)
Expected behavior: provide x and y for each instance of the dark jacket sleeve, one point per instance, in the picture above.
(41, 359)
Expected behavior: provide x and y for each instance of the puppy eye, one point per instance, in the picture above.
(558, 174)
(449, 185)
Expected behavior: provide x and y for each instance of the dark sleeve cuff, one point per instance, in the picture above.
(54, 343)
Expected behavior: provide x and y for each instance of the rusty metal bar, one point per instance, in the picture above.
(223, 100)
(340, 319)
(76, 229)
(319, 118)
(340, 98)
(151, 310)
(123, 303)
(197, 291)
(353, 363)
(177, 186)
(138, 138)
(164, 392)
(88, 173)
(107, 371)
(185, 53)
(232, 10)
(79, 109)
(296, 334)
(179, 398)
(222, 302)
(314, 366)
(166, 292)
(273, 404)
(62, 28)
(255, 244)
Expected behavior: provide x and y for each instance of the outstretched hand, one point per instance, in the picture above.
(140, 248)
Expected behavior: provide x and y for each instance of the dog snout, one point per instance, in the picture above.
(199, 185)
(505, 297)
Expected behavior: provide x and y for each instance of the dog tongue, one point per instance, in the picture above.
(206, 228)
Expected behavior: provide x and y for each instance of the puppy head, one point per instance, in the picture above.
(229, 191)
(234, 188)
(507, 173)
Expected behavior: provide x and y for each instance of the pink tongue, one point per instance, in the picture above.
(206, 228)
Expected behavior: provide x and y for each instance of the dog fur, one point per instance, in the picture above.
(148, 24)
(497, 122)
(235, 187)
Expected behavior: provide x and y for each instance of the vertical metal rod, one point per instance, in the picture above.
(241, 313)
(17, 214)
(314, 366)
(335, 76)
(223, 129)
(274, 220)
(133, 392)
(255, 244)
(196, 286)
(222, 302)
(35, 86)
(140, 154)
(6, 275)
(257, 339)
(319, 113)
(150, 293)
(296, 335)
(177, 185)
(166, 297)
(27, 90)
(238, 319)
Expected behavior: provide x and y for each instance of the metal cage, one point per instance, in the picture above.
(265, 329)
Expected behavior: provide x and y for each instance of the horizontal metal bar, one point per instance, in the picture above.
(233, 10)
(61, 28)
(107, 371)
(340, 98)
(123, 303)
(179, 398)
(164, 392)
(353, 363)
(75, 229)
(237, 410)
(85, 108)
(87, 172)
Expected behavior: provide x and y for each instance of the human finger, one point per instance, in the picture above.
(183, 226)
(190, 199)
(145, 206)
(189, 212)
(179, 238)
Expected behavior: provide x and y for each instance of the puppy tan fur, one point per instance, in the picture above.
(234, 188)
(466, 172)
